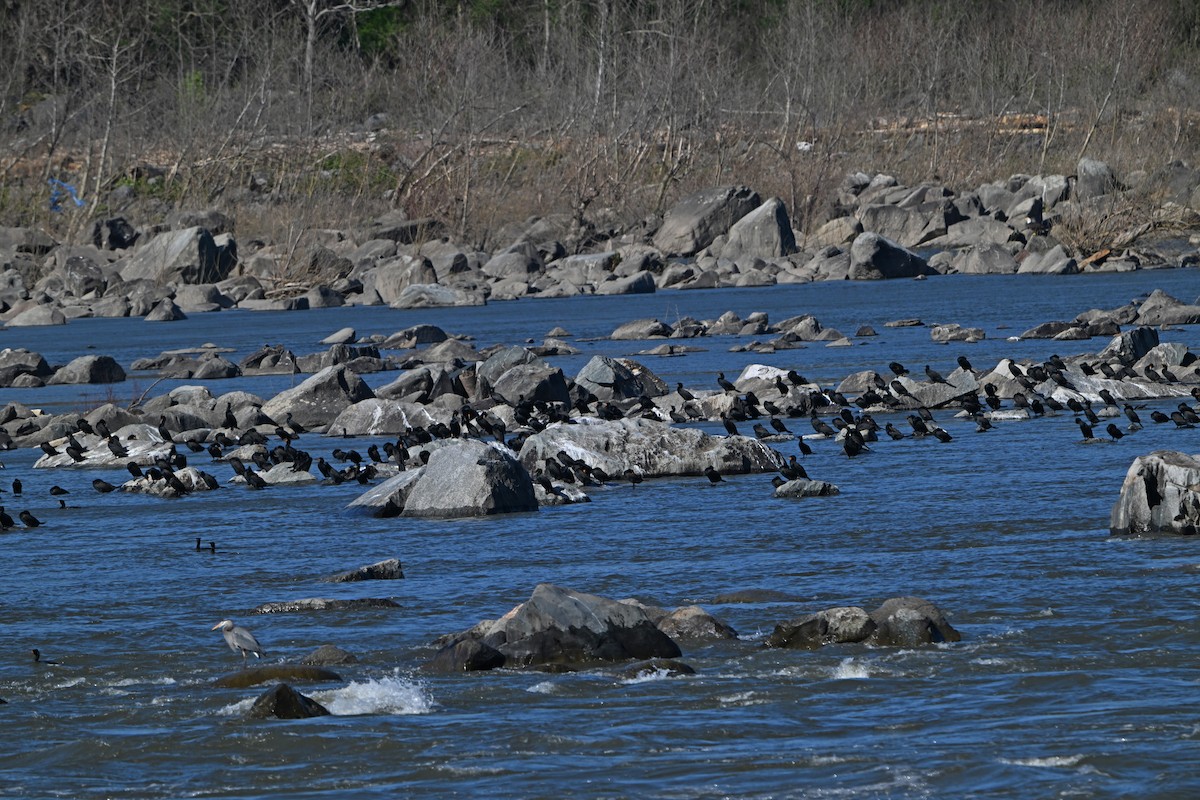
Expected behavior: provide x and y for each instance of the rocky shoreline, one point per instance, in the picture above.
(193, 263)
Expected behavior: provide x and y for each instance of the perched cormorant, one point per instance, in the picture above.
(724, 383)
(729, 426)
(1132, 416)
(29, 520)
(1114, 431)
(712, 475)
(1084, 428)
(103, 486)
(935, 376)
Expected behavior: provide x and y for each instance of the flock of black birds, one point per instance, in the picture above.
(856, 431)
(851, 423)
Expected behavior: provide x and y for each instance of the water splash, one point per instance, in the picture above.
(849, 669)
(1048, 761)
(393, 694)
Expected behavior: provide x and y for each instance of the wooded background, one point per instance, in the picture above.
(303, 113)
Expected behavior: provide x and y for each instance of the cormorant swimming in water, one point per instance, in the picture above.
(37, 657)
(103, 486)
(712, 475)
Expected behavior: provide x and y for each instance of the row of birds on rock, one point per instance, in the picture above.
(854, 430)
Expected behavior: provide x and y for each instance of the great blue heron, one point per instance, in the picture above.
(239, 639)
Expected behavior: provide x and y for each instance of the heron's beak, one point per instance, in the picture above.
(214, 627)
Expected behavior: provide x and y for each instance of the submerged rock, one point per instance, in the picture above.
(275, 672)
(328, 654)
(386, 570)
(898, 622)
(325, 604)
(283, 702)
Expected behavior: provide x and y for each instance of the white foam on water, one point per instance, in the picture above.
(648, 676)
(1045, 612)
(544, 687)
(393, 694)
(67, 684)
(849, 669)
(236, 709)
(139, 682)
(742, 699)
(1048, 761)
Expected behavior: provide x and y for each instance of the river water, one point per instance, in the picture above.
(1076, 675)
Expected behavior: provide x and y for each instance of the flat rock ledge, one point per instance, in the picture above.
(653, 449)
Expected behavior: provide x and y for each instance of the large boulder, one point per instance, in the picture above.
(874, 257)
(393, 276)
(766, 232)
(1160, 494)
(469, 478)
(1161, 308)
(32, 316)
(1094, 179)
(377, 416)
(692, 223)
(653, 449)
(538, 383)
(388, 499)
(615, 379)
(18, 361)
(89, 369)
(180, 256)
(318, 400)
(566, 628)
(909, 622)
(432, 295)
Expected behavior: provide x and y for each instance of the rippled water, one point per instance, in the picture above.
(1076, 674)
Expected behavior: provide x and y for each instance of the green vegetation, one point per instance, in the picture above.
(499, 110)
